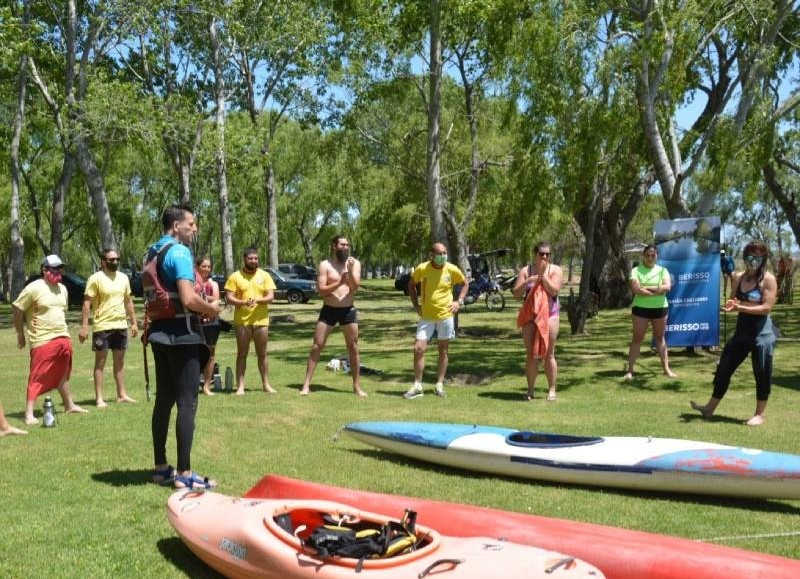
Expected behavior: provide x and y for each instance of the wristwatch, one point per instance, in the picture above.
(461, 302)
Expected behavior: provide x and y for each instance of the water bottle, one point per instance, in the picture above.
(217, 378)
(228, 379)
(49, 418)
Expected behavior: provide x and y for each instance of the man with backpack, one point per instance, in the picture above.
(173, 306)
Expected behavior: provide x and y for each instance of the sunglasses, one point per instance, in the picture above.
(544, 254)
(753, 259)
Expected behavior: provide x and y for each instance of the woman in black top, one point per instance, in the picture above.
(754, 291)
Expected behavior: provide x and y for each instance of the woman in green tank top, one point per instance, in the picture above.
(650, 284)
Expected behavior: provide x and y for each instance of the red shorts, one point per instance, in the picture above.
(51, 363)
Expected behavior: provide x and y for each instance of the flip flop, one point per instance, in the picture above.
(552, 397)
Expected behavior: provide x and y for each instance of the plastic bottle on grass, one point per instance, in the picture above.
(49, 419)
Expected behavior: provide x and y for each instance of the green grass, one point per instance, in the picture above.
(76, 502)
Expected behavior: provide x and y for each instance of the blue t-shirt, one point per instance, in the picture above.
(177, 263)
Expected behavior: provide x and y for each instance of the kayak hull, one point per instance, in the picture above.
(266, 539)
(635, 463)
(618, 553)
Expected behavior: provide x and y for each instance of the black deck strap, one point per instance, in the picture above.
(565, 562)
(438, 562)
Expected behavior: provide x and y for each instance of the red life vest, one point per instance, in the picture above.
(160, 302)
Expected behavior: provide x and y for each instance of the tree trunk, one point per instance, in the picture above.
(16, 270)
(786, 198)
(272, 213)
(578, 308)
(219, 154)
(433, 173)
(97, 192)
(68, 170)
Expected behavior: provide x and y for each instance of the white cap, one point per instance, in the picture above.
(52, 261)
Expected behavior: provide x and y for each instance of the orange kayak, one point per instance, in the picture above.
(272, 538)
(618, 553)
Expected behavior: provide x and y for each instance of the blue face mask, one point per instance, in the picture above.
(440, 259)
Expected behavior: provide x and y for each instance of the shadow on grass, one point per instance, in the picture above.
(124, 478)
(695, 416)
(758, 505)
(174, 551)
(789, 382)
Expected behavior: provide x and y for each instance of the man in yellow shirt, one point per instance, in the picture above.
(42, 304)
(436, 309)
(250, 290)
(108, 292)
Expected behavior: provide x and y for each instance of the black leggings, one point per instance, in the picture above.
(733, 355)
(177, 382)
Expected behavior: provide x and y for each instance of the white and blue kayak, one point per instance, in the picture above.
(639, 463)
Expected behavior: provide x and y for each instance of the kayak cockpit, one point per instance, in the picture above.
(530, 439)
(352, 538)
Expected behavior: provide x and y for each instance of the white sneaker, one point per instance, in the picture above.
(439, 390)
(414, 392)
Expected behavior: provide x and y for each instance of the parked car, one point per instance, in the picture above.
(298, 271)
(293, 290)
(75, 284)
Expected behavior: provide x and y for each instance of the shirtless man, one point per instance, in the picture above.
(338, 279)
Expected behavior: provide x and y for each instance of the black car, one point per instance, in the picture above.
(294, 291)
(75, 284)
(297, 271)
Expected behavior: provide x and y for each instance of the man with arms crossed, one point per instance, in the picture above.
(338, 279)
(250, 290)
(108, 292)
(436, 309)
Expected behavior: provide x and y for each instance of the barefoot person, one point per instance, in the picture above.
(211, 326)
(173, 307)
(753, 292)
(338, 279)
(250, 290)
(108, 293)
(650, 284)
(539, 285)
(42, 306)
(5, 427)
(436, 308)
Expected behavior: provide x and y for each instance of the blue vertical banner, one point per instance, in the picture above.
(689, 249)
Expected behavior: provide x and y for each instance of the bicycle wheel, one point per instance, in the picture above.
(495, 301)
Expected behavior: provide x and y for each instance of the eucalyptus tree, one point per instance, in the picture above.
(83, 37)
(730, 52)
(281, 53)
(161, 62)
(583, 148)
(435, 46)
(16, 269)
